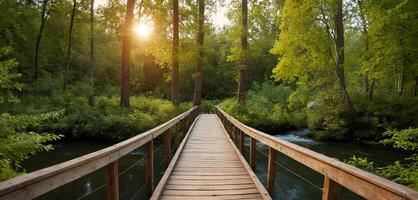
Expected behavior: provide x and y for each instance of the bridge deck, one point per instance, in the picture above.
(208, 166)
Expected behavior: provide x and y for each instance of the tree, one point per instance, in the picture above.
(70, 34)
(244, 56)
(92, 58)
(200, 40)
(126, 52)
(175, 83)
(44, 16)
(339, 47)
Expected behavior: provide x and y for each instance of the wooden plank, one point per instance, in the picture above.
(169, 192)
(112, 181)
(210, 182)
(241, 142)
(157, 193)
(224, 177)
(359, 181)
(210, 187)
(253, 149)
(230, 197)
(167, 145)
(271, 171)
(149, 168)
(330, 190)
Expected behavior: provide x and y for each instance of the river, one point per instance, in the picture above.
(293, 180)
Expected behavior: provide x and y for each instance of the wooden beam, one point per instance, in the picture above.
(112, 181)
(330, 190)
(241, 142)
(149, 167)
(271, 171)
(167, 145)
(253, 150)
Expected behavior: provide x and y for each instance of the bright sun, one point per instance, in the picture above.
(143, 29)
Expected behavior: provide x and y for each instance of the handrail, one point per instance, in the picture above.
(336, 173)
(36, 183)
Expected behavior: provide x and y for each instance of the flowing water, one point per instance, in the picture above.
(293, 180)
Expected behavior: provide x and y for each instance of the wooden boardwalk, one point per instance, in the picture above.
(208, 166)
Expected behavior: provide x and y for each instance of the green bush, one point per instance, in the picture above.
(106, 120)
(266, 109)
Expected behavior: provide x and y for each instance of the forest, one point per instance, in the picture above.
(106, 70)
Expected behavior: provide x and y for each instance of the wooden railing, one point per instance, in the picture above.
(336, 173)
(36, 183)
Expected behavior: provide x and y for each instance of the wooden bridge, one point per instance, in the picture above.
(206, 165)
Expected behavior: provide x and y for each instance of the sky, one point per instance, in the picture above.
(218, 18)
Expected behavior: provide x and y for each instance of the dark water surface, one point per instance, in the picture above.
(293, 180)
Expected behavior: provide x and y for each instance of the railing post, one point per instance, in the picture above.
(149, 167)
(253, 149)
(271, 174)
(112, 181)
(176, 135)
(167, 145)
(241, 141)
(330, 190)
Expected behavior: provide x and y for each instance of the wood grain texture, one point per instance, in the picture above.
(208, 167)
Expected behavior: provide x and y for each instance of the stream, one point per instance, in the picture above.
(293, 180)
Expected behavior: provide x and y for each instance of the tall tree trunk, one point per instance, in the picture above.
(244, 46)
(366, 85)
(70, 34)
(363, 19)
(175, 89)
(92, 58)
(400, 79)
(44, 16)
(339, 44)
(370, 91)
(200, 40)
(126, 53)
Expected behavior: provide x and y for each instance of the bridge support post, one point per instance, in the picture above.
(253, 149)
(271, 171)
(241, 142)
(330, 190)
(112, 181)
(149, 167)
(167, 145)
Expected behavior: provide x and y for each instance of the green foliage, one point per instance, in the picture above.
(18, 141)
(8, 78)
(405, 172)
(266, 109)
(106, 120)
(404, 139)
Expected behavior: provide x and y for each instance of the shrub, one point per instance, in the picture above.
(266, 109)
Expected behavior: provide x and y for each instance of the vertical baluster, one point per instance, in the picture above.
(253, 149)
(167, 145)
(112, 181)
(330, 190)
(176, 135)
(271, 174)
(149, 167)
(241, 141)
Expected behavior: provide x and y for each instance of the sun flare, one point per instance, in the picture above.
(143, 29)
